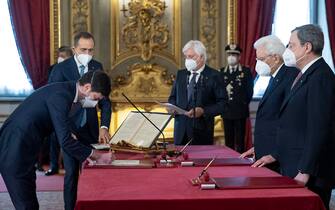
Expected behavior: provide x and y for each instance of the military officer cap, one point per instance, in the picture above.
(233, 49)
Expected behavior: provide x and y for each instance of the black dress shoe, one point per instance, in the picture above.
(51, 172)
(39, 167)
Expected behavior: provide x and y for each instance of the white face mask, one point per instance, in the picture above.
(84, 59)
(88, 103)
(289, 58)
(60, 59)
(262, 68)
(190, 64)
(231, 60)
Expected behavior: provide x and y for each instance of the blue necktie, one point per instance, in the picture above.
(190, 87)
(81, 70)
(82, 117)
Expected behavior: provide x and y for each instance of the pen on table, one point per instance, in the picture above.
(205, 169)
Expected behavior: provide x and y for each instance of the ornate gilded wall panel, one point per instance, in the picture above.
(232, 21)
(80, 16)
(54, 29)
(209, 30)
(145, 43)
(145, 29)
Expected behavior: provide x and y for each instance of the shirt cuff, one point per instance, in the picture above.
(91, 153)
(105, 127)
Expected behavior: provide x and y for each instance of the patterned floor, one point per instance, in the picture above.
(47, 201)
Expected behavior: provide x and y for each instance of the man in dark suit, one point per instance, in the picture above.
(269, 50)
(198, 90)
(44, 111)
(63, 53)
(238, 83)
(70, 70)
(306, 137)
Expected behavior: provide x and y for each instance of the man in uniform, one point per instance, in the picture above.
(238, 83)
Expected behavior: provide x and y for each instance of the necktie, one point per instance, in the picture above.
(78, 115)
(81, 70)
(296, 79)
(191, 85)
(269, 85)
(83, 117)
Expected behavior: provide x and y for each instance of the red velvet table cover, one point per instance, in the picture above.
(170, 189)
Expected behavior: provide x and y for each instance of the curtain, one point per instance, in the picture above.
(330, 11)
(30, 21)
(254, 20)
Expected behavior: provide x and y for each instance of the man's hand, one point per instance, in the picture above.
(198, 112)
(171, 111)
(104, 136)
(302, 178)
(250, 152)
(98, 157)
(266, 159)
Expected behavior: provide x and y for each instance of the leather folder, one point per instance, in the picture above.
(255, 182)
(222, 161)
(124, 164)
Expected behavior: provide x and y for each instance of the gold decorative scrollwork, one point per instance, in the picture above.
(146, 82)
(143, 29)
(209, 30)
(80, 16)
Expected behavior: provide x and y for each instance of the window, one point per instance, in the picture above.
(288, 15)
(14, 81)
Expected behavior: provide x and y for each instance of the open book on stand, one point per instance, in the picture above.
(137, 133)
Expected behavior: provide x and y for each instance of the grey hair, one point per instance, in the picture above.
(272, 44)
(198, 47)
(313, 34)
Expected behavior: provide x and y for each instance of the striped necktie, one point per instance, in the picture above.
(81, 70)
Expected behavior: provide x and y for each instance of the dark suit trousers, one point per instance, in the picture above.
(22, 189)
(54, 152)
(71, 166)
(234, 132)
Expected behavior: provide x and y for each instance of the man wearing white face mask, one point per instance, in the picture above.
(44, 111)
(269, 50)
(306, 137)
(87, 129)
(238, 83)
(197, 89)
(63, 53)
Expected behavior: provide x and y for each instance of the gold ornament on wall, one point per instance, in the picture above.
(209, 30)
(144, 83)
(80, 16)
(144, 30)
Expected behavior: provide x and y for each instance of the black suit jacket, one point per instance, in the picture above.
(306, 137)
(44, 111)
(238, 102)
(267, 115)
(68, 71)
(210, 96)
